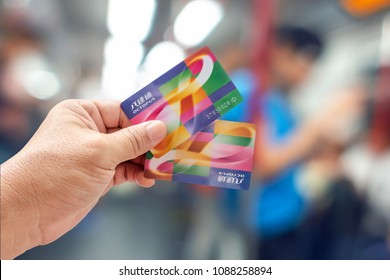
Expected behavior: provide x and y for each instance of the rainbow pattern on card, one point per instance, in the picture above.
(220, 155)
(187, 98)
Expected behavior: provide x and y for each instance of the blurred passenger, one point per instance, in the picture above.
(278, 206)
(367, 163)
(331, 229)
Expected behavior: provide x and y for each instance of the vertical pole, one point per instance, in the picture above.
(262, 29)
(380, 129)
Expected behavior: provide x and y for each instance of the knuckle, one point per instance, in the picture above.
(64, 105)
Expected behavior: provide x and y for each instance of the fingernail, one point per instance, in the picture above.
(156, 130)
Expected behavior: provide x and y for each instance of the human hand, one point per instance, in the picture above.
(80, 151)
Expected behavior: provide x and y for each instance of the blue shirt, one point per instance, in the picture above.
(276, 206)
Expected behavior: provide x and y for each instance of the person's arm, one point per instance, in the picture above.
(81, 150)
(272, 158)
(19, 227)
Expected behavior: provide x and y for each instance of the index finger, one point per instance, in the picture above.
(108, 112)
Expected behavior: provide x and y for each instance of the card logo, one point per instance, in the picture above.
(230, 178)
(141, 102)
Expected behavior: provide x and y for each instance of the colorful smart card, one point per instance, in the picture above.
(220, 155)
(187, 98)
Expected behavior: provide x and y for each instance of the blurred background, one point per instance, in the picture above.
(315, 76)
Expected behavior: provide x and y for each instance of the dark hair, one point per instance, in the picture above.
(301, 40)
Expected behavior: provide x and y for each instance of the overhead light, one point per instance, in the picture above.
(34, 72)
(130, 19)
(196, 21)
(129, 23)
(165, 54)
(42, 84)
(123, 53)
(160, 58)
(117, 84)
(122, 58)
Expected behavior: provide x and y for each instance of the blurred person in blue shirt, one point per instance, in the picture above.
(277, 206)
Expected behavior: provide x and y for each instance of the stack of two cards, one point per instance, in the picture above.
(199, 148)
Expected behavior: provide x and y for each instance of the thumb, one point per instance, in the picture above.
(133, 141)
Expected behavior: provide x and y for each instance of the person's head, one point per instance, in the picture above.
(294, 51)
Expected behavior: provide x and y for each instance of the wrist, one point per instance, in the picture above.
(19, 217)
